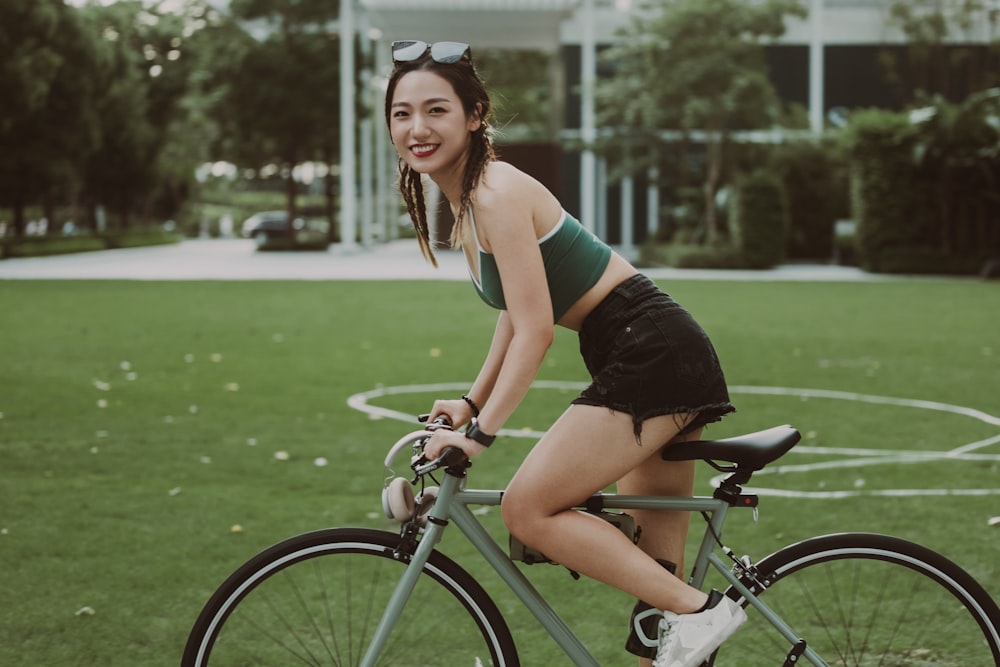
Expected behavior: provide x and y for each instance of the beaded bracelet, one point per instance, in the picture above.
(472, 404)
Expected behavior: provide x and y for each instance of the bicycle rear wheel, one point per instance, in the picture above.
(862, 600)
(316, 599)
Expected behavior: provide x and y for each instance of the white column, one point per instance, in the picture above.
(816, 67)
(348, 169)
(653, 201)
(387, 200)
(628, 243)
(588, 124)
(367, 214)
(600, 197)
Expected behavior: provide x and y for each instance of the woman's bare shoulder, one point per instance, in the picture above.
(503, 184)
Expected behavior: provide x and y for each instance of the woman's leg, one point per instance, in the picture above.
(664, 534)
(586, 450)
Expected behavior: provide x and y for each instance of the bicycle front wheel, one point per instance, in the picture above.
(862, 600)
(316, 599)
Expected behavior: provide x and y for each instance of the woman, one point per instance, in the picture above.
(656, 377)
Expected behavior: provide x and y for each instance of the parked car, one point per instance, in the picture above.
(270, 231)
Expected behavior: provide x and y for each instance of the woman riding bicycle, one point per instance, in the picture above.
(656, 377)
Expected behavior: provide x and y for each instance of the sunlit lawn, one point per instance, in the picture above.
(155, 435)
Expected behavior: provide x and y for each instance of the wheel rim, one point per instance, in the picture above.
(867, 606)
(320, 604)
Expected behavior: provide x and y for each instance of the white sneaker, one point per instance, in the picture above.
(687, 639)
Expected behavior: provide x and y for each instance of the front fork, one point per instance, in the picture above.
(416, 559)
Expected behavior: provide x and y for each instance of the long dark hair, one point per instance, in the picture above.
(471, 91)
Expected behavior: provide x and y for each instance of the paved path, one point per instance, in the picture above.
(237, 259)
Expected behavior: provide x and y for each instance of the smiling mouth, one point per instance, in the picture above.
(424, 150)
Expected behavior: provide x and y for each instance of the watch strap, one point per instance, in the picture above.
(473, 433)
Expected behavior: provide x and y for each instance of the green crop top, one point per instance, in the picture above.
(574, 261)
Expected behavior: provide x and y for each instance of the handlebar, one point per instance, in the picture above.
(419, 464)
(451, 456)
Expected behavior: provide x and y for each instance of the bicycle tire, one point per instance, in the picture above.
(860, 599)
(316, 599)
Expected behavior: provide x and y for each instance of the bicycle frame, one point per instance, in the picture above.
(452, 505)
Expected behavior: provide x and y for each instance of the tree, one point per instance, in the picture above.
(945, 54)
(47, 123)
(98, 107)
(696, 65)
(281, 101)
(957, 153)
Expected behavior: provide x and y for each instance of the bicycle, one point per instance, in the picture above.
(359, 596)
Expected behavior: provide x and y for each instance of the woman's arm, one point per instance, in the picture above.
(458, 411)
(482, 388)
(505, 214)
(529, 316)
(506, 208)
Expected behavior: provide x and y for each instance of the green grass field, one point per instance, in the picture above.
(144, 429)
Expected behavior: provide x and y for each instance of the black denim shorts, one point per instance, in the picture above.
(648, 357)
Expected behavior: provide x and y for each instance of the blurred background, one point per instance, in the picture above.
(690, 133)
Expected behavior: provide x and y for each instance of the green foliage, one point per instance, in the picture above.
(924, 186)
(48, 123)
(917, 260)
(31, 62)
(942, 56)
(280, 100)
(520, 84)
(957, 157)
(39, 246)
(760, 219)
(695, 65)
(814, 175)
(886, 208)
(689, 256)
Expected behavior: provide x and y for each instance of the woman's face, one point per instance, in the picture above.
(428, 124)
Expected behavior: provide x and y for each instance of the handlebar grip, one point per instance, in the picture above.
(452, 456)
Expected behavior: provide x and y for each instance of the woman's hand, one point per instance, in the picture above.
(445, 438)
(458, 412)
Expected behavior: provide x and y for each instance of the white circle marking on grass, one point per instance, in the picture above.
(852, 457)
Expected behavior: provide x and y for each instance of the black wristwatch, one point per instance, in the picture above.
(472, 432)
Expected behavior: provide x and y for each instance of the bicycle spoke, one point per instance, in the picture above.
(869, 601)
(316, 599)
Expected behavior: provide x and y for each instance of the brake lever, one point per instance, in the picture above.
(442, 422)
(451, 456)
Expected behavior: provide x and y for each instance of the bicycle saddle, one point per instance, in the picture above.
(751, 451)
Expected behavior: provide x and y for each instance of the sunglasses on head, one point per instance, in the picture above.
(406, 51)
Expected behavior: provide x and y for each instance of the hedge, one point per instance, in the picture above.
(887, 208)
(40, 246)
(760, 219)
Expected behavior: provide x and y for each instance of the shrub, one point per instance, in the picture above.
(926, 260)
(887, 208)
(760, 217)
(685, 256)
(814, 175)
(40, 246)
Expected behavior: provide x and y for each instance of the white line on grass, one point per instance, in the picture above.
(854, 457)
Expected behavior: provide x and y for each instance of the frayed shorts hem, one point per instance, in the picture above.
(698, 417)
